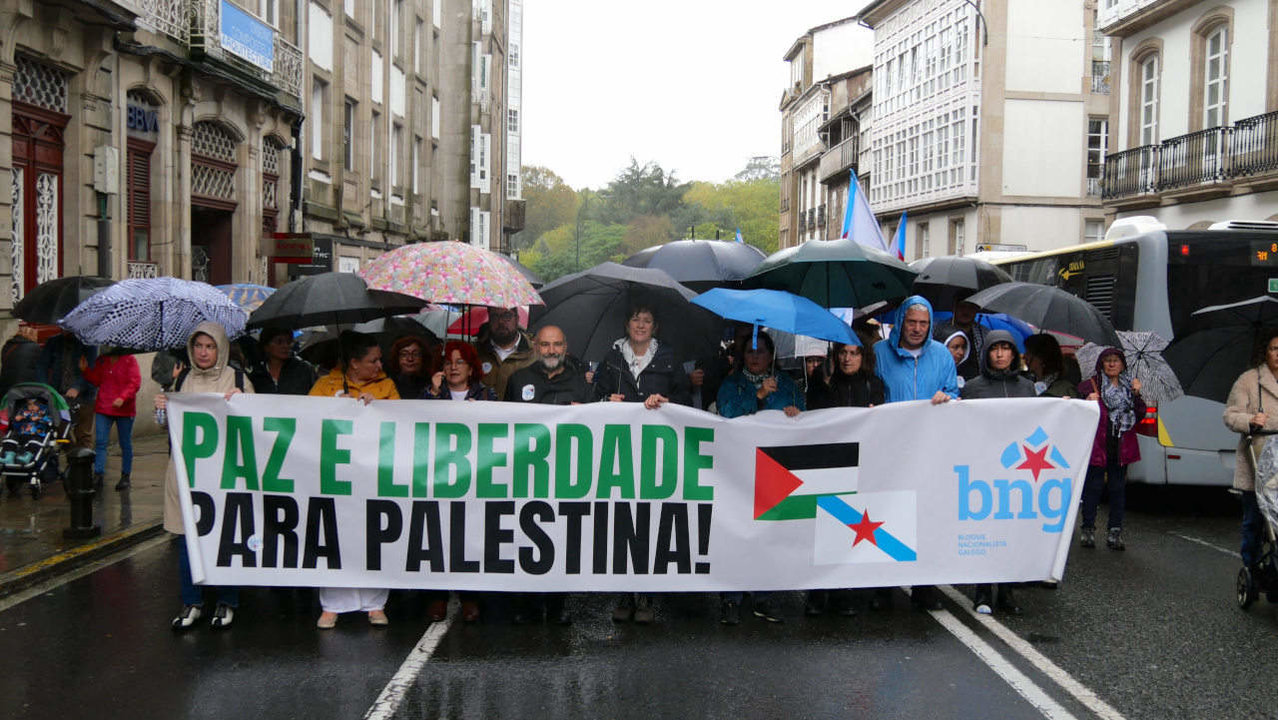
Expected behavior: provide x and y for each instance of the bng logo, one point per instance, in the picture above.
(1035, 483)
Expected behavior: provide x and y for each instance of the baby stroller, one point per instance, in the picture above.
(34, 460)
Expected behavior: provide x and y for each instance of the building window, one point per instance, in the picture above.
(957, 239)
(374, 148)
(417, 161)
(437, 13)
(396, 12)
(923, 243)
(1097, 142)
(349, 5)
(512, 120)
(1093, 230)
(1149, 100)
(348, 136)
(512, 185)
(1215, 77)
(418, 30)
(434, 117)
(139, 164)
(269, 11)
(396, 149)
(319, 91)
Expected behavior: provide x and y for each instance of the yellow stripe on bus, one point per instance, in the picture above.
(1163, 438)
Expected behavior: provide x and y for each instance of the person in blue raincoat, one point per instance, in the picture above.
(913, 366)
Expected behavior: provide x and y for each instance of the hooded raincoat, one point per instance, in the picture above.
(906, 377)
(993, 383)
(218, 379)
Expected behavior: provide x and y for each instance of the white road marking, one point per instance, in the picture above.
(1004, 669)
(1204, 543)
(392, 696)
(53, 583)
(1064, 680)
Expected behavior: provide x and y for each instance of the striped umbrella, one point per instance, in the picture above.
(152, 314)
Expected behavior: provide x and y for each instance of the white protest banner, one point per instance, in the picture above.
(302, 491)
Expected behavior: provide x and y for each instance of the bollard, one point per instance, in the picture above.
(80, 492)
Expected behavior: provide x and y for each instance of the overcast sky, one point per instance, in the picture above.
(691, 84)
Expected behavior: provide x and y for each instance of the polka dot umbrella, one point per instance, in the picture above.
(152, 314)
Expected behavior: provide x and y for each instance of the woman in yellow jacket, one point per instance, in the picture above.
(358, 375)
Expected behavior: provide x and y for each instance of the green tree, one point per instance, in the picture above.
(549, 203)
(639, 190)
(752, 206)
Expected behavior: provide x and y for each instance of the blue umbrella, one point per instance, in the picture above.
(152, 314)
(777, 309)
(247, 295)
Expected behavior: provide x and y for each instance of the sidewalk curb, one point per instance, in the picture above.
(37, 572)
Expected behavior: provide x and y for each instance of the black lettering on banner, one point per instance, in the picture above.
(600, 566)
(529, 516)
(237, 514)
(630, 533)
(457, 561)
(672, 540)
(574, 512)
(205, 512)
(705, 511)
(321, 520)
(375, 534)
(495, 536)
(279, 524)
(425, 523)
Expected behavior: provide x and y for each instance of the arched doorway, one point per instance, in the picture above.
(213, 168)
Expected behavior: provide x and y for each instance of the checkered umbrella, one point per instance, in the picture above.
(152, 314)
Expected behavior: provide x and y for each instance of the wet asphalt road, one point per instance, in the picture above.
(1154, 632)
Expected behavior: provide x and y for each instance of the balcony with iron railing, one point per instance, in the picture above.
(196, 25)
(1210, 160)
(1121, 17)
(839, 159)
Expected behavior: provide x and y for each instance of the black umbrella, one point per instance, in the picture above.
(51, 300)
(945, 280)
(331, 298)
(1209, 358)
(1048, 308)
(700, 264)
(320, 346)
(835, 273)
(592, 308)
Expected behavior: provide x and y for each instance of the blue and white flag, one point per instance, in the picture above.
(858, 222)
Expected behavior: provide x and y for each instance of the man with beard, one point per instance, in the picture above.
(502, 348)
(554, 378)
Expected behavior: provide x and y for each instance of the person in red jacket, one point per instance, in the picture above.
(118, 379)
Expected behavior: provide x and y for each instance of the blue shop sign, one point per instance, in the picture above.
(142, 119)
(248, 37)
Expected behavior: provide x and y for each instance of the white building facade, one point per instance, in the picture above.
(981, 122)
(1196, 103)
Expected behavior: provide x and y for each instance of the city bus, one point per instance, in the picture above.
(1155, 281)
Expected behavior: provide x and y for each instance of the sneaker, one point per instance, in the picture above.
(764, 611)
(437, 610)
(223, 616)
(187, 618)
(729, 613)
(327, 620)
(812, 605)
(623, 611)
(1087, 537)
(1114, 540)
(124, 483)
(378, 617)
(643, 611)
(983, 603)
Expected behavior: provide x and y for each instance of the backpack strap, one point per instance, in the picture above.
(239, 379)
(181, 377)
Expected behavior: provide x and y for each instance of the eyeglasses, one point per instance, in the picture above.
(410, 353)
(458, 362)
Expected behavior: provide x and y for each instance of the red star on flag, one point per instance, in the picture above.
(1035, 462)
(865, 529)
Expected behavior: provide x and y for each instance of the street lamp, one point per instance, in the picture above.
(981, 17)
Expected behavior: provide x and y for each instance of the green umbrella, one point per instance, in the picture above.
(835, 273)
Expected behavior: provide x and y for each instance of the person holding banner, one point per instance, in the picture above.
(459, 380)
(412, 365)
(913, 366)
(752, 387)
(209, 351)
(554, 378)
(358, 375)
(281, 373)
(1000, 378)
(638, 368)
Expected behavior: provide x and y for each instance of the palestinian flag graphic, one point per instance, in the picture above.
(789, 479)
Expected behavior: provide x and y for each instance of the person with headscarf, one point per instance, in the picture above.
(1252, 411)
(959, 349)
(1115, 446)
(210, 372)
(359, 376)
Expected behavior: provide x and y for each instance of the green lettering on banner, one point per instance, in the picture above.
(486, 459)
(239, 440)
(616, 463)
(284, 428)
(694, 462)
(651, 437)
(452, 445)
(421, 459)
(331, 456)
(566, 436)
(531, 454)
(193, 422)
(386, 486)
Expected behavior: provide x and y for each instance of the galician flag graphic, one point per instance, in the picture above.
(820, 482)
